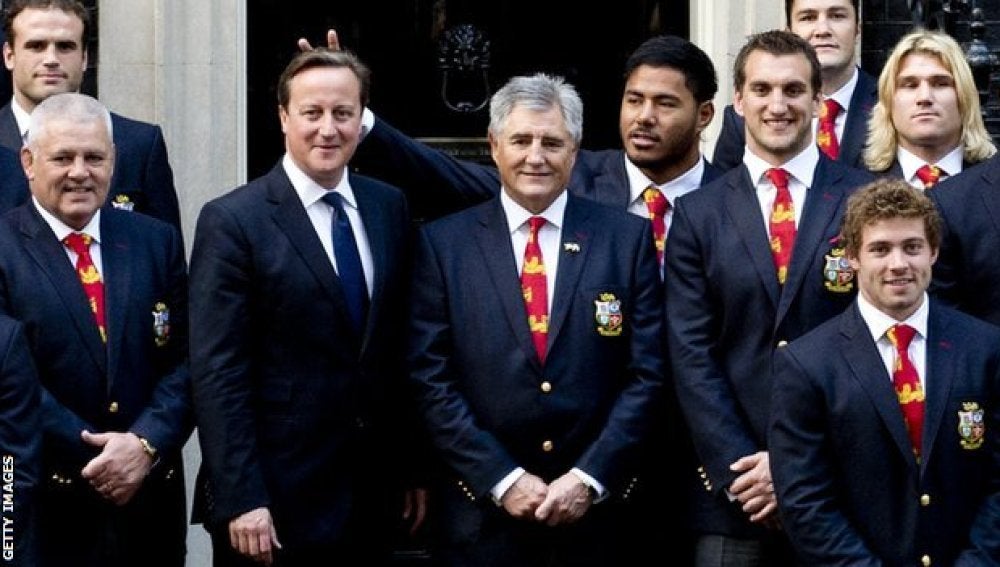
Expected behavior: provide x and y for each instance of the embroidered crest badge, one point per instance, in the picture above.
(971, 426)
(608, 314)
(123, 202)
(161, 324)
(838, 277)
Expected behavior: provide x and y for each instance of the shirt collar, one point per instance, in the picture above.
(518, 215)
(878, 322)
(309, 191)
(21, 116)
(680, 185)
(843, 94)
(801, 167)
(909, 163)
(61, 230)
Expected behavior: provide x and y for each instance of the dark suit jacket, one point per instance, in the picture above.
(480, 385)
(436, 183)
(295, 410)
(20, 439)
(848, 485)
(968, 265)
(13, 184)
(732, 139)
(726, 313)
(130, 384)
(143, 180)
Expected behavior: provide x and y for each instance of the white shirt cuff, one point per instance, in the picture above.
(504, 485)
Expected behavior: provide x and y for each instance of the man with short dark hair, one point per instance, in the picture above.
(744, 273)
(849, 94)
(46, 53)
(884, 446)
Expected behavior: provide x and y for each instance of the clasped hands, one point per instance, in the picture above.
(117, 472)
(563, 501)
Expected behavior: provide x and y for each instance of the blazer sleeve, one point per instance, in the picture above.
(168, 420)
(20, 438)
(803, 473)
(473, 452)
(435, 183)
(719, 429)
(730, 145)
(629, 423)
(221, 287)
(161, 196)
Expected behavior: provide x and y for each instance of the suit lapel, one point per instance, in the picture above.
(991, 192)
(821, 206)
(612, 186)
(46, 251)
(938, 378)
(742, 205)
(117, 282)
(856, 125)
(291, 218)
(377, 231)
(571, 262)
(868, 369)
(498, 255)
(10, 135)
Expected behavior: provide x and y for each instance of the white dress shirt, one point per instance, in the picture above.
(878, 323)
(800, 170)
(61, 230)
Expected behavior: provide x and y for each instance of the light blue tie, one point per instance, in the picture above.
(345, 250)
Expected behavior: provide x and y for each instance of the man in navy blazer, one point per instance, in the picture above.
(861, 478)
(300, 405)
(968, 267)
(46, 53)
(726, 306)
(538, 411)
(116, 405)
(20, 443)
(832, 28)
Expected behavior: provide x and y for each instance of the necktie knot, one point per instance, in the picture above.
(929, 175)
(829, 111)
(655, 201)
(534, 225)
(78, 242)
(779, 177)
(901, 336)
(335, 200)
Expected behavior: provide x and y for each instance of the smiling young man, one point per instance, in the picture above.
(744, 274)
(885, 449)
(840, 127)
(536, 350)
(927, 125)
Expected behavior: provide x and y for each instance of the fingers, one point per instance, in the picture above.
(332, 42)
(253, 534)
(419, 499)
(95, 439)
(304, 44)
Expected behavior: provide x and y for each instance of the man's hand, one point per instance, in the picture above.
(567, 501)
(415, 508)
(253, 535)
(332, 43)
(753, 488)
(118, 471)
(524, 496)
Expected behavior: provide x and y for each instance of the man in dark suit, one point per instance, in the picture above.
(968, 267)
(538, 392)
(927, 125)
(885, 446)
(744, 273)
(298, 284)
(832, 28)
(46, 53)
(109, 340)
(20, 444)
(666, 105)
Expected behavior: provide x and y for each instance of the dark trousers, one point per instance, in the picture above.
(726, 551)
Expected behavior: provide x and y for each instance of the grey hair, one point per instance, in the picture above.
(538, 92)
(74, 107)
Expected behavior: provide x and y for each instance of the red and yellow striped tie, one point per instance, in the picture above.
(826, 130)
(782, 223)
(658, 205)
(907, 384)
(535, 289)
(93, 287)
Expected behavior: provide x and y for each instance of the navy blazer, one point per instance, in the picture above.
(849, 488)
(436, 183)
(296, 411)
(489, 404)
(137, 382)
(732, 139)
(20, 438)
(968, 266)
(726, 313)
(142, 181)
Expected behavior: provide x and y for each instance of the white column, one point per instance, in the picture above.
(720, 28)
